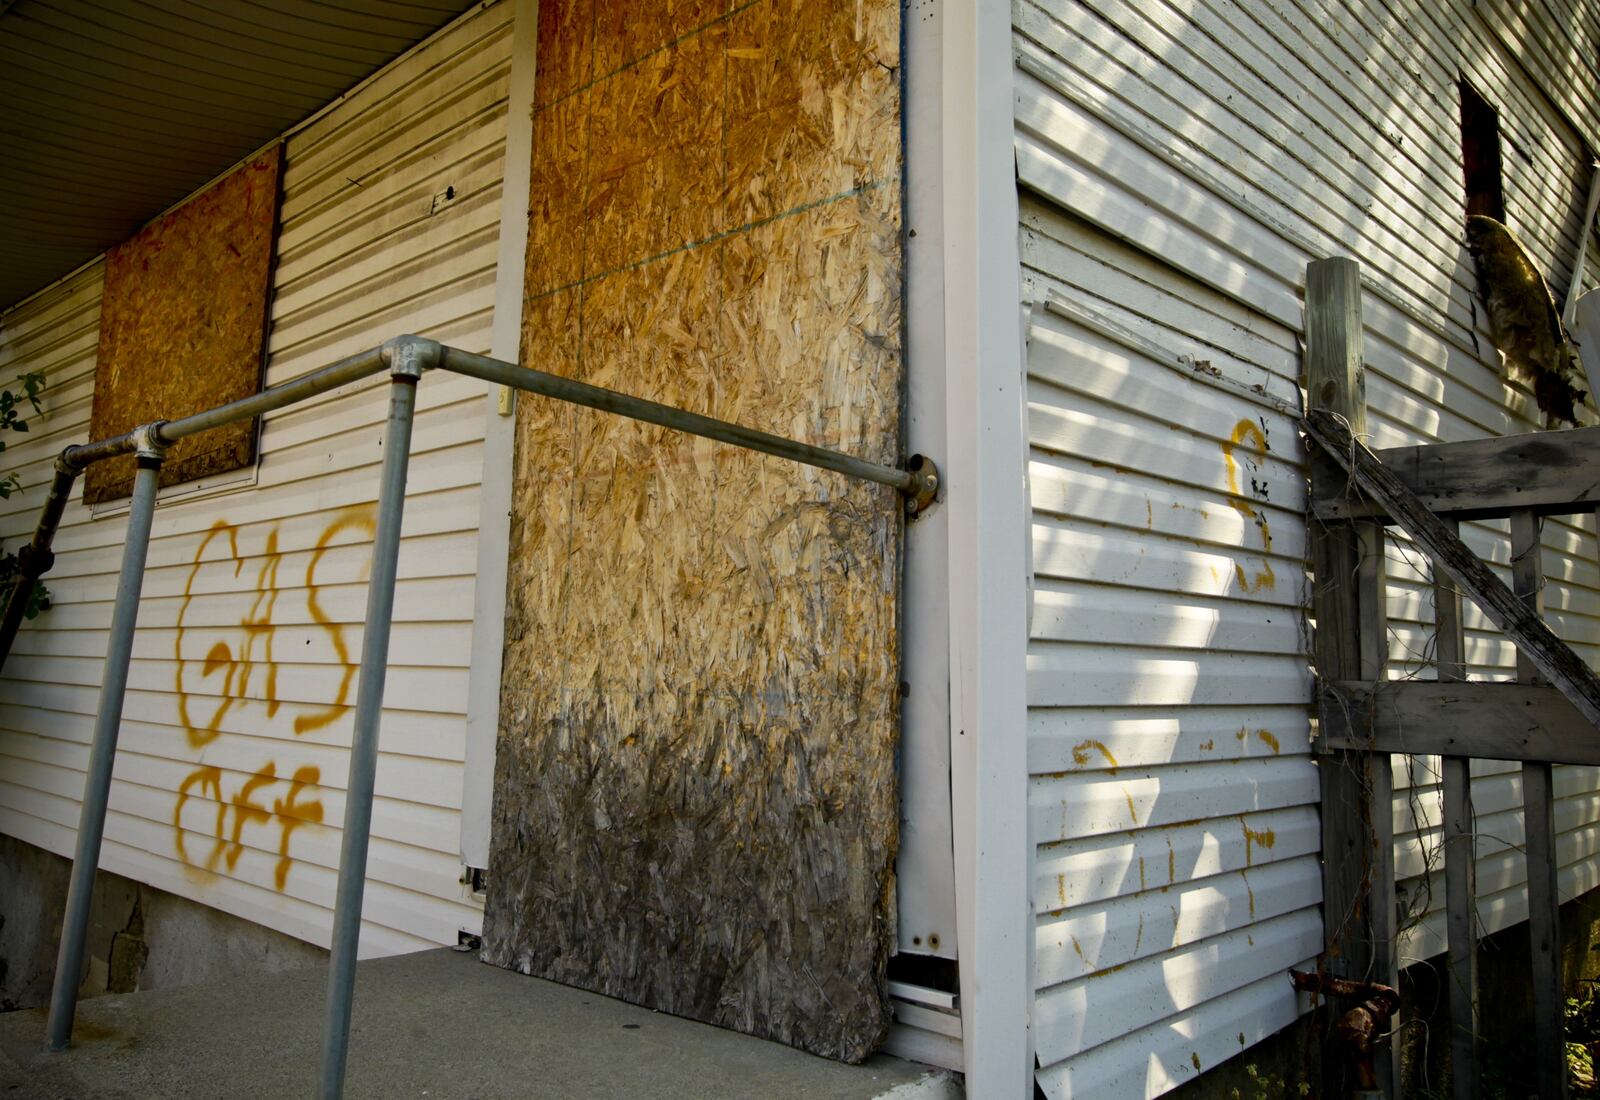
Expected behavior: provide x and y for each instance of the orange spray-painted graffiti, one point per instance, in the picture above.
(228, 678)
(1249, 429)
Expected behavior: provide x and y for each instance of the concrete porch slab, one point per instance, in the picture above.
(436, 1024)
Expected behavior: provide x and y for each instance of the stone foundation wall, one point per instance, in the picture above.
(139, 937)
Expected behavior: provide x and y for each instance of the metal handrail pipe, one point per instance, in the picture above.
(102, 755)
(35, 558)
(405, 358)
(80, 456)
(357, 833)
(351, 369)
(908, 481)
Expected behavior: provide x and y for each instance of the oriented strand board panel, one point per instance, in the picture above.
(695, 798)
(183, 325)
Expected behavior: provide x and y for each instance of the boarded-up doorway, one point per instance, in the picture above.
(695, 803)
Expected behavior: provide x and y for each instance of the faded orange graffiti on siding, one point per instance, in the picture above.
(1247, 429)
(247, 807)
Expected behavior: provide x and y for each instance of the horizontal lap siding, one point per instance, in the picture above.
(370, 246)
(1172, 794)
(1189, 160)
(1558, 42)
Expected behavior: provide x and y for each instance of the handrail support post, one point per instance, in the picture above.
(102, 752)
(407, 357)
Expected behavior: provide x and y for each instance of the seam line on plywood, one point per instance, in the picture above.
(722, 235)
(626, 65)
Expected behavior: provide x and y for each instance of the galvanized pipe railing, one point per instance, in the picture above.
(103, 749)
(917, 483)
(405, 358)
(35, 558)
(36, 555)
(407, 371)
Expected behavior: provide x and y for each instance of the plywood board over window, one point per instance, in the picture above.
(183, 325)
(695, 798)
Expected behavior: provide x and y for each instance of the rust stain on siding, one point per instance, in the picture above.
(1266, 737)
(1266, 838)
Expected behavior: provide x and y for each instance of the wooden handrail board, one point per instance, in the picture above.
(1552, 657)
(1553, 473)
(1492, 721)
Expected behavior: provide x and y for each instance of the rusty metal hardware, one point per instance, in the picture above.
(1359, 1026)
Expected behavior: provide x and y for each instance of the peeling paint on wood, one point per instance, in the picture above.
(695, 798)
(183, 325)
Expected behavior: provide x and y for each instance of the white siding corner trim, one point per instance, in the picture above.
(987, 549)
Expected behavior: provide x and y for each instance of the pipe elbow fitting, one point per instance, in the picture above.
(148, 445)
(408, 356)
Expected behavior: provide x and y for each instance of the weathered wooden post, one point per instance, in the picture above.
(1539, 832)
(1351, 643)
(1460, 856)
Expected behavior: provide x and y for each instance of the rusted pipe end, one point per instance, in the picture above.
(408, 356)
(1360, 1027)
(1356, 1029)
(925, 487)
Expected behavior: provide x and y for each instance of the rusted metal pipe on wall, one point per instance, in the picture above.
(35, 558)
(1359, 1028)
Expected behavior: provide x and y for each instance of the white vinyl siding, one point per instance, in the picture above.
(389, 224)
(1172, 794)
(1181, 164)
(1559, 44)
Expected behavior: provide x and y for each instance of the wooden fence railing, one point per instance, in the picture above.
(1549, 715)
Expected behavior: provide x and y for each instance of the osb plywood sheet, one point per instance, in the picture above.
(695, 797)
(183, 324)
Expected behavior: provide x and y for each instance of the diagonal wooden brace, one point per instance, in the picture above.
(1565, 670)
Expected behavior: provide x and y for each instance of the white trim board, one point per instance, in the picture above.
(924, 867)
(987, 505)
(499, 442)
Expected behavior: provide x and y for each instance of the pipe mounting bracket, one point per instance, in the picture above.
(925, 485)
